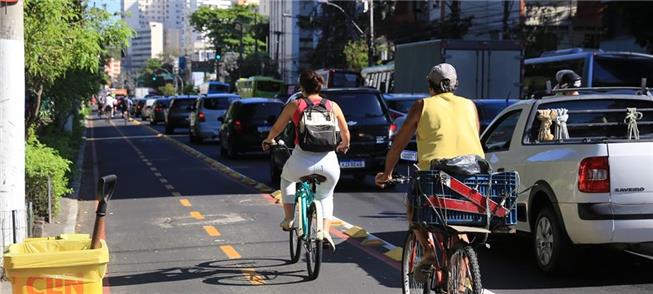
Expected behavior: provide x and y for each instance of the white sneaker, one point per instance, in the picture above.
(287, 224)
(329, 241)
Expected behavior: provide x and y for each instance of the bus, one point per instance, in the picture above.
(380, 77)
(214, 87)
(258, 86)
(340, 78)
(598, 68)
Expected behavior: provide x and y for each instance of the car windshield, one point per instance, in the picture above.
(218, 103)
(163, 103)
(358, 105)
(345, 80)
(258, 111)
(619, 71)
(268, 86)
(600, 119)
(182, 103)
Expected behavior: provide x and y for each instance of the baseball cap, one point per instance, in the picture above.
(567, 78)
(443, 71)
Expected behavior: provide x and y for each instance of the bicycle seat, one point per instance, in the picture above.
(313, 178)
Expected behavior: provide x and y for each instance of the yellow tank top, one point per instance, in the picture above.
(448, 127)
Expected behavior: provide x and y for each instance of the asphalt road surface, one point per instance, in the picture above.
(179, 225)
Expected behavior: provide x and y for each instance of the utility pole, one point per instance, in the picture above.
(506, 15)
(13, 218)
(370, 48)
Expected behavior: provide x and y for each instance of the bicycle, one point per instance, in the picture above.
(307, 229)
(454, 208)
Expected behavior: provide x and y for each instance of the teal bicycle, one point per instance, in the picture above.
(307, 230)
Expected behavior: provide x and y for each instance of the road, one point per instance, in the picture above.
(179, 223)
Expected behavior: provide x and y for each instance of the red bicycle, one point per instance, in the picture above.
(449, 209)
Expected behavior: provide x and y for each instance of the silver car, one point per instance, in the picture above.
(208, 108)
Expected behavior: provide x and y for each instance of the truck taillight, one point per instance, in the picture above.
(201, 116)
(594, 175)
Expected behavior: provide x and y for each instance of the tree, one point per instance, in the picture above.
(167, 90)
(235, 29)
(335, 30)
(540, 37)
(63, 36)
(356, 54)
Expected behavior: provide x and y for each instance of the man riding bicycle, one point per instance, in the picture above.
(108, 105)
(446, 125)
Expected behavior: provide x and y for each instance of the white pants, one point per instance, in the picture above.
(303, 163)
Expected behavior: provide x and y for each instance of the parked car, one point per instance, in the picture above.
(370, 127)
(178, 114)
(593, 188)
(246, 123)
(204, 122)
(158, 112)
(138, 106)
(400, 103)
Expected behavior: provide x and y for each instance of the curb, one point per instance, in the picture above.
(370, 242)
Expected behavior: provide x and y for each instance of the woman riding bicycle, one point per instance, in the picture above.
(302, 163)
(447, 126)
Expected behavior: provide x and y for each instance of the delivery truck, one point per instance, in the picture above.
(486, 69)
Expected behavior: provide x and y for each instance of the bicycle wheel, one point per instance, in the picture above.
(411, 255)
(313, 244)
(464, 273)
(295, 242)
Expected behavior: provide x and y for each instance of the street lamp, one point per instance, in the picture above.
(370, 36)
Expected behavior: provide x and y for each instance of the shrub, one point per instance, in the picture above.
(42, 162)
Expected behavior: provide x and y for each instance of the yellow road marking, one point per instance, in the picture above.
(163, 181)
(185, 202)
(157, 175)
(253, 277)
(169, 187)
(212, 231)
(197, 215)
(176, 194)
(230, 251)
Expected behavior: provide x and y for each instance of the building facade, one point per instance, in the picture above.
(290, 45)
(112, 69)
(147, 44)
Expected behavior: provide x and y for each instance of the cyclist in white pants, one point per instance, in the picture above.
(302, 163)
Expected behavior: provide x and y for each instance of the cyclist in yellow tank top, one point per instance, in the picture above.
(446, 125)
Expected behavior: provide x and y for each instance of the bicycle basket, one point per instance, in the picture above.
(454, 209)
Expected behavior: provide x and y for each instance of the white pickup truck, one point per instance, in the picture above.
(594, 187)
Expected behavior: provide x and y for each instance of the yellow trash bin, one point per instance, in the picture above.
(64, 264)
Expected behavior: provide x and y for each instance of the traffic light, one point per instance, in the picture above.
(154, 77)
(218, 54)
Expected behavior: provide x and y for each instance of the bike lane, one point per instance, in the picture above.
(193, 228)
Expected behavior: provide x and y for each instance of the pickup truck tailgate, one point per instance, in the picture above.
(631, 173)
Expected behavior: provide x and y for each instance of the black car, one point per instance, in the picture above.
(158, 113)
(246, 123)
(370, 127)
(178, 114)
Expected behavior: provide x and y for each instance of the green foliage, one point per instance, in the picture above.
(634, 16)
(41, 163)
(538, 38)
(189, 89)
(225, 27)
(64, 36)
(167, 90)
(356, 54)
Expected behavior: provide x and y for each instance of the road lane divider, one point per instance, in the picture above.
(169, 187)
(163, 180)
(196, 215)
(212, 231)
(154, 169)
(176, 194)
(157, 175)
(230, 251)
(185, 202)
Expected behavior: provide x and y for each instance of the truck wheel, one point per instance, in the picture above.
(554, 252)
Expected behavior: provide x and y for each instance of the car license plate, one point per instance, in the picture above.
(408, 155)
(352, 164)
(264, 129)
